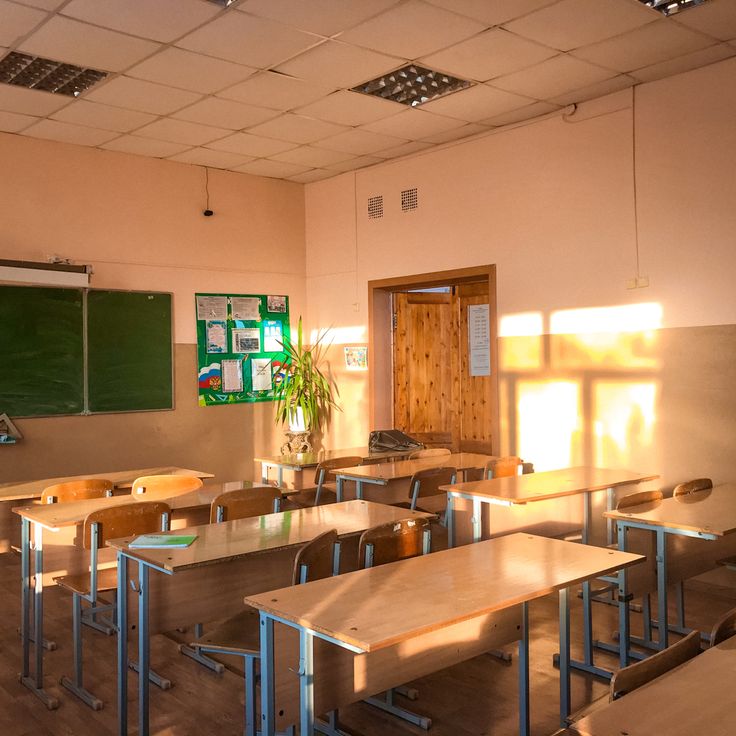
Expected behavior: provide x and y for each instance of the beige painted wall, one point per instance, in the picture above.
(139, 222)
(551, 203)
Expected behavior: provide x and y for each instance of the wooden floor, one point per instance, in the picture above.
(476, 698)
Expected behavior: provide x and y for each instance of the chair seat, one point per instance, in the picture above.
(238, 635)
(729, 562)
(107, 579)
(306, 498)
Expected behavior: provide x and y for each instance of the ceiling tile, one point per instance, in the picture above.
(412, 29)
(355, 163)
(350, 108)
(136, 94)
(182, 131)
(12, 122)
(251, 145)
(524, 113)
(274, 169)
(599, 89)
(360, 142)
(475, 103)
(225, 113)
(489, 55)
(29, 101)
(277, 91)
(325, 17)
(17, 21)
(144, 146)
(492, 12)
(297, 129)
(248, 40)
(162, 20)
(78, 43)
(404, 149)
(313, 175)
(658, 41)
(572, 23)
(462, 131)
(552, 77)
(106, 117)
(311, 156)
(66, 133)
(413, 124)
(339, 64)
(187, 70)
(685, 63)
(717, 18)
(211, 159)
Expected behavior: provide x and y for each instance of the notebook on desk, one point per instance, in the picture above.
(168, 541)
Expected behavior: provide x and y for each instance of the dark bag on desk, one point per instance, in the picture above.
(387, 440)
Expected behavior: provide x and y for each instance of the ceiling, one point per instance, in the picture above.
(263, 86)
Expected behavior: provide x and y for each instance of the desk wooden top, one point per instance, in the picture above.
(548, 484)
(707, 512)
(698, 697)
(305, 460)
(382, 606)
(54, 516)
(119, 478)
(384, 472)
(233, 539)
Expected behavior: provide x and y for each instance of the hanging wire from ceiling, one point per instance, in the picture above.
(634, 177)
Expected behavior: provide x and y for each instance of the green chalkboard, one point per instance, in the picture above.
(129, 359)
(41, 349)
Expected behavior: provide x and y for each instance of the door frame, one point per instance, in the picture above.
(380, 336)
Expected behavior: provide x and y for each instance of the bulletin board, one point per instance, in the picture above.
(240, 357)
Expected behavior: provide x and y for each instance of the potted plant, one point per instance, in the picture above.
(305, 397)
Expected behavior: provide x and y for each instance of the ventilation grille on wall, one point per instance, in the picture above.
(35, 72)
(375, 207)
(409, 199)
(670, 7)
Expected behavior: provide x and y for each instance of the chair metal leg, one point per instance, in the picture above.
(76, 685)
(410, 693)
(197, 656)
(330, 727)
(153, 677)
(250, 695)
(387, 704)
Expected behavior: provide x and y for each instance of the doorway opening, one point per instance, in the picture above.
(433, 357)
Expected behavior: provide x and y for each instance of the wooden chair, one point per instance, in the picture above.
(245, 503)
(429, 452)
(157, 487)
(629, 678)
(505, 467)
(381, 545)
(240, 635)
(77, 490)
(426, 484)
(724, 629)
(135, 518)
(325, 490)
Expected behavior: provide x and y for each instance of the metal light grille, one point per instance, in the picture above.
(409, 199)
(412, 85)
(375, 207)
(670, 7)
(223, 3)
(35, 72)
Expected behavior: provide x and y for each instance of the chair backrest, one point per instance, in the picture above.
(527, 468)
(397, 540)
(504, 467)
(322, 471)
(136, 517)
(244, 503)
(699, 484)
(427, 482)
(155, 487)
(638, 674)
(317, 559)
(77, 490)
(637, 498)
(429, 452)
(725, 628)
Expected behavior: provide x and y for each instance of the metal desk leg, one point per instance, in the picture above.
(564, 613)
(25, 600)
(587, 612)
(339, 488)
(524, 672)
(662, 588)
(610, 503)
(143, 651)
(280, 476)
(122, 601)
(450, 517)
(306, 683)
(477, 520)
(359, 489)
(623, 605)
(268, 695)
(264, 473)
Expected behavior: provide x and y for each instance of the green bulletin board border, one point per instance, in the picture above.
(213, 347)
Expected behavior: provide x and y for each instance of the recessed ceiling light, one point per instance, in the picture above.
(223, 3)
(412, 85)
(670, 7)
(35, 72)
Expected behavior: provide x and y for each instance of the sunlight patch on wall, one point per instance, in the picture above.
(623, 318)
(341, 335)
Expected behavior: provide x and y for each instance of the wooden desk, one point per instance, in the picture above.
(400, 621)
(683, 536)
(382, 474)
(197, 585)
(697, 697)
(306, 460)
(546, 486)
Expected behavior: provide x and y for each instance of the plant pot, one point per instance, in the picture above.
(296, 421)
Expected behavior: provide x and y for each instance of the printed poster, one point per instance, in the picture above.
(216, 336)
(277, 304)
(245, 307)
(212, 307)
(479, 340)
(261, 374)
(273, 336)
(356, 359)
(247, 340)
(232, 376)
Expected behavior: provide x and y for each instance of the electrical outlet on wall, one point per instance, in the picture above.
(640, 282)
